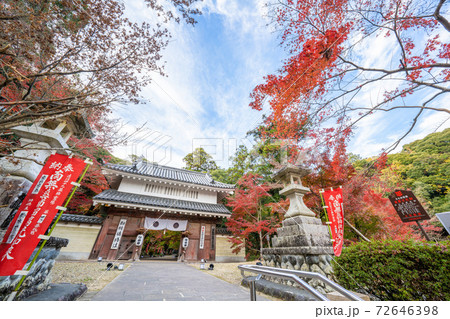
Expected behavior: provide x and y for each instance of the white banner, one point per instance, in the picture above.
(119, 232)
(169, 224)
(202, 237)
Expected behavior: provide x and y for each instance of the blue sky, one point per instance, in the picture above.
(211, 70)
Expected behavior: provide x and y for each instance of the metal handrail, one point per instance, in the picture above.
(294, 275)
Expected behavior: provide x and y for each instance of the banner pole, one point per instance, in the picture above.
(356, 231)
(14, 293)
(326, 214)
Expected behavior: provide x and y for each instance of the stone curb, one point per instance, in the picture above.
(59, 292)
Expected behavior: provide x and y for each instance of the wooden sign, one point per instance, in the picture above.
(407, 206)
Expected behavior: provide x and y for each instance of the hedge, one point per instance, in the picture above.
(394, 270)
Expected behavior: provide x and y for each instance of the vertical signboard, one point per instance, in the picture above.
(202, 237)
(334, 204)
(407, 206)
(37, 211)
(119, 232)
(213, 238)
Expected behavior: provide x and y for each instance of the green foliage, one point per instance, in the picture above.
(244, 161)
(424, 166)
(369, 225)
(200, 161)
(103, 155)
(116, 160)
(394, 270)
(159, 243)
(221, 175)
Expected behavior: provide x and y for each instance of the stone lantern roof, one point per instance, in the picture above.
(291, 174)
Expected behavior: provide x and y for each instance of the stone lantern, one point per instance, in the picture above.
(290, 176)
(303, 242)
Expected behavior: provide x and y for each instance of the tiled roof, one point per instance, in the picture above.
(222, 231)
(170, 173)
(112, 195)
(81, 219)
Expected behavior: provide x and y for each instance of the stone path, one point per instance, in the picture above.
(170, 281)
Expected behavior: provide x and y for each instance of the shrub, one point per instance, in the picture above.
(395, 270)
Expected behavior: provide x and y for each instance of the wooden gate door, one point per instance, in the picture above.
(126, 247)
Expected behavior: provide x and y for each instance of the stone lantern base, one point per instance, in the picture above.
(302, 243)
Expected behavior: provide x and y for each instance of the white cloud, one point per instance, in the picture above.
(245, 17)
(211, 70)
(431, 123)
(379, 132)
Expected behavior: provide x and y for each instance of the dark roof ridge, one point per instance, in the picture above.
(173, 173)
(159, 165)
(78, 218)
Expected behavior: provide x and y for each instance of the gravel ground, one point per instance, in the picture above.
(228, 272)
(91, 273)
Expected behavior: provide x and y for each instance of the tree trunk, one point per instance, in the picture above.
(260, 232)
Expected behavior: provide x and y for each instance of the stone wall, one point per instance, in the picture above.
(312, 263)
(38, 278)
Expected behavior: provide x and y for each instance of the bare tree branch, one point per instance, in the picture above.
(440, 18)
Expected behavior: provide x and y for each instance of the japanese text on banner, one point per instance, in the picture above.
(334, 204)
(38, 210)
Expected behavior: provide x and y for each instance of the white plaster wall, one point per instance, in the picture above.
(135, 186)
(81, 240)
(224, 252)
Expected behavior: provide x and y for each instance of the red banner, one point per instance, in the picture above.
(37, 211)
(334, 204)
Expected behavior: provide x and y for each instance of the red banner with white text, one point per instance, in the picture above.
(38, 210)
(334, 205)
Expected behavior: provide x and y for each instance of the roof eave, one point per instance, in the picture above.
(158, 208)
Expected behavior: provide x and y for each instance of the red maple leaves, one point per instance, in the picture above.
(255, 213)
(326, 70)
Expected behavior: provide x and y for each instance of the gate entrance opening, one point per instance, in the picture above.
(161, 244)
